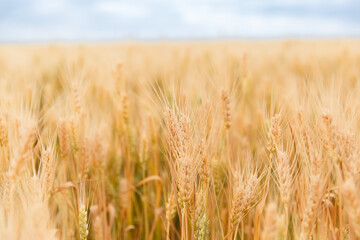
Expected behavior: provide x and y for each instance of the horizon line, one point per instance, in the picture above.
(184, 39)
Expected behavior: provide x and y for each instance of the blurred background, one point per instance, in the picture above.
(109, 20)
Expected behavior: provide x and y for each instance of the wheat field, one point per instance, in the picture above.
(180, 140)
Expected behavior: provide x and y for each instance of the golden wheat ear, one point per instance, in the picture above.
(47, 170)
(226, 108)
(352, 207)
(83, 222)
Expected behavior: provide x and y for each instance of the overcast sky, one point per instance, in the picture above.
(96, 20)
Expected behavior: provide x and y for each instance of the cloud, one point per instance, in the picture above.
(42, 20)
(122, 9)
(227, 22)
(44, 7)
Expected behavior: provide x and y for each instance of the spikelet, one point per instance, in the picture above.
(180, 202)
(122, 114)
(185, 134)
(274, 134)
(329, 126)
(200, 218)
(24, 153)
(112, 214)
(64, 138)
(125, 109)
(8, 190)
(180, 139)
(202, 227)
(341, 147)
(186, 177)
(312, 202)
(4, 136)
(76, 98)
(304, 135)
(217, 174)
(186, 172)
(170, 207)
(312, 154)
(317, 164)
(74, 134)
(98, 158)
(97, 228)
(200, 204)
(352, 206)
(237, 206)
(174, 136)
(208, 119)
(284, 170)
(124, 191)
(204, 171)
(351, 155)
(84, 159)
(243, 197)
(226, 108)
(331, 142)
(83, 223)
(47, 171)
(3, 131)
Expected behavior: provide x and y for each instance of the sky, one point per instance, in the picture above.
(110, 20)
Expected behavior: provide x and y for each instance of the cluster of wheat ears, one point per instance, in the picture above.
(217, 140)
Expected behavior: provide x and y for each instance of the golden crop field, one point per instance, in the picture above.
(180, 140)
